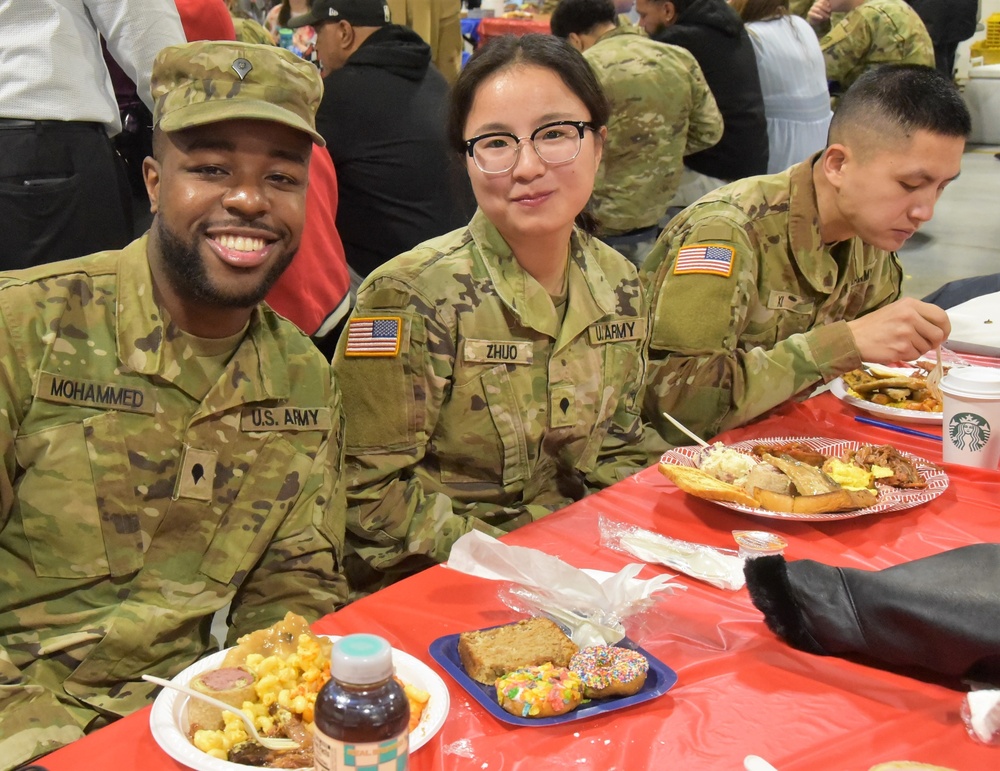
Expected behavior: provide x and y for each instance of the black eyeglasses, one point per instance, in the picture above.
(555, 143)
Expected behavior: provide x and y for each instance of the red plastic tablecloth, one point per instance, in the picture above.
(490, 27)
(740, 689)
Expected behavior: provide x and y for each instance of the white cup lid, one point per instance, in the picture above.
(972, 381)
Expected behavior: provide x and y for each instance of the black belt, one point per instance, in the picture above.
(58, 125)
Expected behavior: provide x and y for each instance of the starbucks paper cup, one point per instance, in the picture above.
(971, 424)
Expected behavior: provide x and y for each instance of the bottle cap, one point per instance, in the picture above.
(361, 659)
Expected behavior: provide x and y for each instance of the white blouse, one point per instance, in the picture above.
(50, 55)
(793, 82)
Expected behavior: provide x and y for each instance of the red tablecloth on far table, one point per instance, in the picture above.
(490, 27)
(740, 690)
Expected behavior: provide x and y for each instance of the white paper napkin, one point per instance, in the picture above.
(592, 609)
(983, 714)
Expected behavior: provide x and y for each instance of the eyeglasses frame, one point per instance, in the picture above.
(579, 125)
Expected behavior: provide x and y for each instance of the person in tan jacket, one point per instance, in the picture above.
(438, 23)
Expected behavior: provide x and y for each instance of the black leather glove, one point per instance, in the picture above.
(940, 613)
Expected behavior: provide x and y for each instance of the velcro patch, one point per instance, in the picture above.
(562, 406)
(619, 329)
(374, 336)
(286, 419)
(498, 351)
(787, 301)
(89, 393)
(712, 259)
(197, 475)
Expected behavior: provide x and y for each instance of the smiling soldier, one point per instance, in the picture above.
(170, 444)
(774, 283)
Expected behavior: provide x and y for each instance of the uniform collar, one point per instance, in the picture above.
(146, 346)
(620, 29)
(591, 295)
(814, 258)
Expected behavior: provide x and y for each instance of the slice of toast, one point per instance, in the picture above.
(703, 485)
(492, 653)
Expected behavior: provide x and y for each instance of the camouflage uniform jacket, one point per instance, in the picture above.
(492, 414)
(661, 110)
(876, 32)
(131, 510)
(800, 7)
(726, 348)
(249, 31)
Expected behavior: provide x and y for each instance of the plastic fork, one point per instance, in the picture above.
(263, 741)
(934, 377)
(685, 430)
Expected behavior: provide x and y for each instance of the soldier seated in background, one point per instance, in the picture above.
(715, 35)
(661, 110)
(170, 444)
(872, 32)
(770, 285)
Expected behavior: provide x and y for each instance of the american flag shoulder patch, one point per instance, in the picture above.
(714, 259)
(373, 336)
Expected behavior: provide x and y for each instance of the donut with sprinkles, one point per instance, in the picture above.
(608, 670)
(542, 691)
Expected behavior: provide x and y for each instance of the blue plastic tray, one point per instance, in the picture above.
(660, 679)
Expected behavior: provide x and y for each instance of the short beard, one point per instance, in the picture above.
(187, 275)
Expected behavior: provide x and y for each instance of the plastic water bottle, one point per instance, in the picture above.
(285, 37)
(362, 714)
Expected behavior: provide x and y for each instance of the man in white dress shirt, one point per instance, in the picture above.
(63, 191)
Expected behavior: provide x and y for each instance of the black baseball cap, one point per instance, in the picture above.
(360, 13)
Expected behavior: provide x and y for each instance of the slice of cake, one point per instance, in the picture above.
(493, 653)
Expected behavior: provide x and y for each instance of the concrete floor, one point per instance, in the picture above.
(963, 239)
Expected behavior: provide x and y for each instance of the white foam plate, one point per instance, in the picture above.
(975, 326)
(839, 389)
(169, 725)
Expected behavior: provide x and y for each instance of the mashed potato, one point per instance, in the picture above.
(727, 465)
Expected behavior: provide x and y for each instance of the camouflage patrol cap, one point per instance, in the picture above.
(210, 81)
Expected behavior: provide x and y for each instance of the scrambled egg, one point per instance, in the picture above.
(852, 477)
(847, 475)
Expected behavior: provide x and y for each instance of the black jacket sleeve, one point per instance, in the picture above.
(939, 613)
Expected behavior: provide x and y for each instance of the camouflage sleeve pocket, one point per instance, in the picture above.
(383, 395)
(698, 311)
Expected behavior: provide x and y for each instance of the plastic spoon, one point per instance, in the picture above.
(263, 741)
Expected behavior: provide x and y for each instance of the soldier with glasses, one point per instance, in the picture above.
(493, 375)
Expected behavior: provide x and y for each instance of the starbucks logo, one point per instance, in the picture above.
(969, 431)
